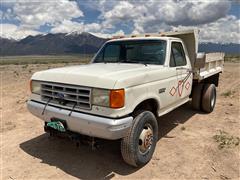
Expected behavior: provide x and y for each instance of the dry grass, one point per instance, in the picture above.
(232, 58)
(53, 59)
(226, 140)
(228, 93)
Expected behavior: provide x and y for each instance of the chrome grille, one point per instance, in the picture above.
(66, 95)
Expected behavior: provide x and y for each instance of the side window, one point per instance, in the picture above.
(177, 55)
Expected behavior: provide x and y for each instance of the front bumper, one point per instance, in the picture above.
(82, 123)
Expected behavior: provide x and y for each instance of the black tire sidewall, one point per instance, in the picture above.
(141, 120)
(213, 95)
(209, 93)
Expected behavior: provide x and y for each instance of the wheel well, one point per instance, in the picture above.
(149, 104)
(210, 80)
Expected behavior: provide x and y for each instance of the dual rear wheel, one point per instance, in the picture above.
(204, 97)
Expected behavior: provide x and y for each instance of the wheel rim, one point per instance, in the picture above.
(145, 139)
(213, 100)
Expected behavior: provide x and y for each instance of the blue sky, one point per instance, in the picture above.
(218, 20)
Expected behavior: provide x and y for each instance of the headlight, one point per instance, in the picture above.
(100, 97)
(108, 98)
(35, 87)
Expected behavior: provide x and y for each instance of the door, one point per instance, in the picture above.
(182, 64)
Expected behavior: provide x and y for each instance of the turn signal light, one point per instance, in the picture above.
(117, 98)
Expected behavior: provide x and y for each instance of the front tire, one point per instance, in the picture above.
(138, 146)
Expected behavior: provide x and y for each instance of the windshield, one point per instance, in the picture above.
(133, 51)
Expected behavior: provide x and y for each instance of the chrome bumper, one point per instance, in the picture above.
(85, 124)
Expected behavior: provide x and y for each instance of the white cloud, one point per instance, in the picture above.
(109, 35)
(12, 31)
(120, 11)
(224, 30)
(69, 26)
(32, 14)
(162, 14)
(155, 16)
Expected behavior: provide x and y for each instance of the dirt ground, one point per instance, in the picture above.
(186, 148)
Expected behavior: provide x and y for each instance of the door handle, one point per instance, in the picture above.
(183, 68)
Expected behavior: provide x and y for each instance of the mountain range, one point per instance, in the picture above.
(52, 44)
(79, 43)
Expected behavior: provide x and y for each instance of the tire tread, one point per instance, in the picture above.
(206, 97)
(127, 143)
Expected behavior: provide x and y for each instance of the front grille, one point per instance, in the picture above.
(66, 95)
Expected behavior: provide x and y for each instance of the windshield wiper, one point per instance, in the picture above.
(134, 61)
(105, 62)
(123, 61)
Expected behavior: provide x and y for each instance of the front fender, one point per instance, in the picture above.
(137, 97)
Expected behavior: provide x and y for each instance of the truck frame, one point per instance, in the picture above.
(130, 82)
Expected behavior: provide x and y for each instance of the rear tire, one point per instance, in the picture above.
(138, 146)
(208, 98)
(197, 96)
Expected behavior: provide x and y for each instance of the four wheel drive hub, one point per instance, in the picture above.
(145, 139)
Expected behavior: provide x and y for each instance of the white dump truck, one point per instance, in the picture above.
(130, 82)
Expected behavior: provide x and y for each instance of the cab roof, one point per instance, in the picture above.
(143, 38)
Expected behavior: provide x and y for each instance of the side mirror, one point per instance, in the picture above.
(200, 60)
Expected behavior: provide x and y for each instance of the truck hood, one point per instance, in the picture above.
(101, 75)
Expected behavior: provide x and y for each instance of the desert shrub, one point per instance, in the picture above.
(226, 140)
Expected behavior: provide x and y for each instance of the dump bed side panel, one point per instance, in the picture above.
(213, 65)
